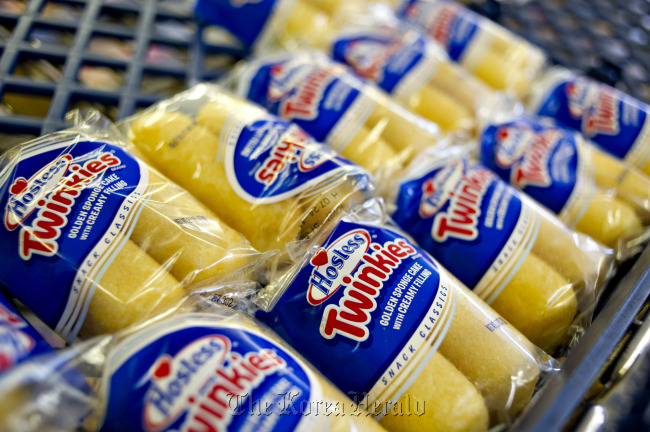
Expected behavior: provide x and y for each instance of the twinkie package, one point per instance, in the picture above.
(542, 277)
(405, 63)
(590, 190)
(366, 296)
(398, 57)
(264, 176)
(336, 107)
(114, 238)
(501, 59)
(202, 367)
(615, 121)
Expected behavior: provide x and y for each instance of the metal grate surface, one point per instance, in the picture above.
(63, 42)
(608, 39)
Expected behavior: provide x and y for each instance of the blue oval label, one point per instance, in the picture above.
(67, 206)
(269, 160)
(310, 90)
(470, 221)
(401, 61)
(191, 373)
(546, 161)
(610, 118)
(369, 299)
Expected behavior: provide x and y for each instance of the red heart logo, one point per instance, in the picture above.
(503, 134)
(19, 186)
(320, 258)
(163, 369)
(6, 361)
(429, 187)
(571, 89)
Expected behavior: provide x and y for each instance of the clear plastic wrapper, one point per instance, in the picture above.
(264, 176)
(542, 277)
(590, 190)
(615, 121)
(201, 368)
(409, 66)
(365, 296)
(500, 58)
(336, 107)
(114, 238)
(19, 340)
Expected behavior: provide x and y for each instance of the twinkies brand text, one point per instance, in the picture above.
(533, 168)
(596, 105)
(603, 118)
(304, 102)
(460, 220)
(41, 237)
(200, 381)
(440, 28)
(291, 148)
(350, 317)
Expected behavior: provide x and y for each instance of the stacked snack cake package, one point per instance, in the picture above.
(410, 67)
(94, 238)
(264, 176)
(497, 56)
(588, 189)
(520, 259)
(339, 108)
(198, 367)
(416, 72)
(407, 333)
(613, 120)
(364, 295)
(563, 302)
(106, 233)
(609, 118)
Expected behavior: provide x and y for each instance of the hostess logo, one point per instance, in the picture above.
(24, 195)
(300, 85)
(359, 267)
(578, 96)
(294, 147)
(334, 264)
(437, 190)
(14, 343)
(463, 189)
(51, 192)
(200, 381)
(512, 142)
(596, 104)
(368, 58)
